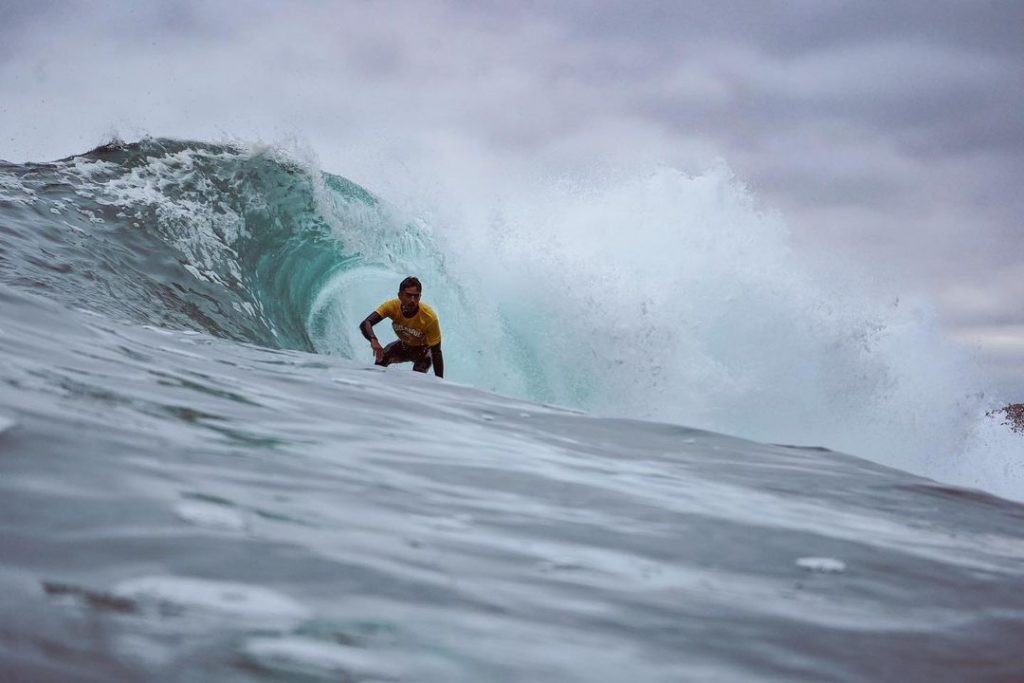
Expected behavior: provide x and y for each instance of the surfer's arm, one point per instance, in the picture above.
(366, 327)
(438, 360)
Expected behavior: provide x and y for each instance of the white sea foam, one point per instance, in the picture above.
(12, 189)
(90, 169)
(824, 565)
(192, 217)
(210, 515)
(220, 597)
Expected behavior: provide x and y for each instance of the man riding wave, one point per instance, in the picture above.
(416, 325)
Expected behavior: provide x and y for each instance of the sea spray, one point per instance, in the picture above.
(656, 294)
(670, 296)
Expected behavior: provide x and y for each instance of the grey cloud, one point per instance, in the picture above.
(787, 27)
(18, 20)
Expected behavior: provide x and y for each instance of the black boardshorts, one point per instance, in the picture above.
(397, 352)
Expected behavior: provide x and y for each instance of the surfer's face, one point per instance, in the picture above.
(410, 300)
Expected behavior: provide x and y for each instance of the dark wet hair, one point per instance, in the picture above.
(410, 282)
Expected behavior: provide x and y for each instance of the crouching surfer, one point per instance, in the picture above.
(417, 327)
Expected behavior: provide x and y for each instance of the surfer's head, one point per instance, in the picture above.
(409, 295)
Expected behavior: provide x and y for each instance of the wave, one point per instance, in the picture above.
(661, 296)
(230, 240)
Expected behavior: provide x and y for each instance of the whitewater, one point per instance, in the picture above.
(668, 445)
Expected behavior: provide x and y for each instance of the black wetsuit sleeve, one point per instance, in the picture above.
(438, 359)
(366, 327)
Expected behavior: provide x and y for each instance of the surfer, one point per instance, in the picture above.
(417, 327)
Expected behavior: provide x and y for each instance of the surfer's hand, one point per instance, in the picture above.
(378, 350)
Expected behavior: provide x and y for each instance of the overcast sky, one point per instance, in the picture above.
(889, 131)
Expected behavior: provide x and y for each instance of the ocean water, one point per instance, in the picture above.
(202, 477)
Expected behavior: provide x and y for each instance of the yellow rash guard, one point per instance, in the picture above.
(423, 329)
